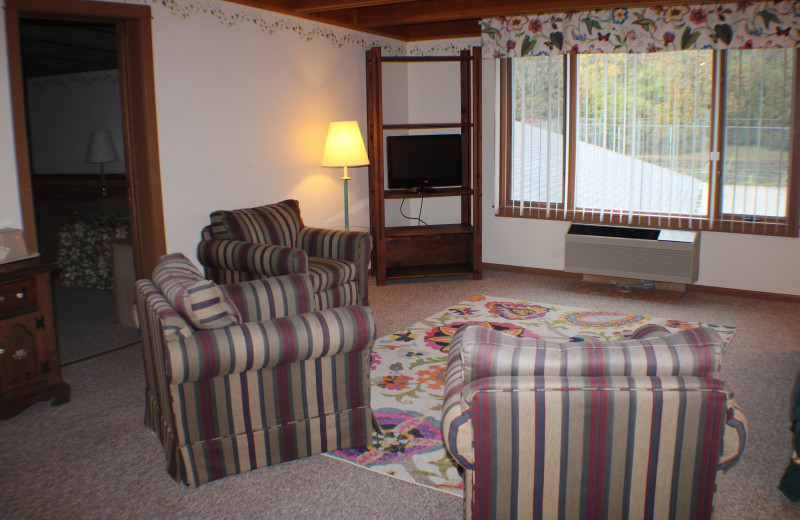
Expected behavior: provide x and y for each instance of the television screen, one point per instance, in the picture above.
(423, 161)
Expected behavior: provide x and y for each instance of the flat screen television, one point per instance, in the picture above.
(423, 162)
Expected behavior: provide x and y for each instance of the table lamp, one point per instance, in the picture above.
(101, 150)
(344, 148)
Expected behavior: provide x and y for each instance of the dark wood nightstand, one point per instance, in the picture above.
(29, 365)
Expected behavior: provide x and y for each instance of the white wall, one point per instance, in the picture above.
(728, 260)
(243, 108)
(243, 114)
(63, 110)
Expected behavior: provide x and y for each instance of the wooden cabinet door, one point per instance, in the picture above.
(20, 362)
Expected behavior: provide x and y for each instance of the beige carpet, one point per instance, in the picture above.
(93, 458)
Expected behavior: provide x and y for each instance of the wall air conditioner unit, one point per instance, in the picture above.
(645, 254)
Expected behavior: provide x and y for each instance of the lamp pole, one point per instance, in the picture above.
(345, 178)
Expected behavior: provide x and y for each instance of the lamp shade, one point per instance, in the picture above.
(344, 145)
(101, 148)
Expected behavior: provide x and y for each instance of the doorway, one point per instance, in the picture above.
(132, 25)
(75, 141)
(122, 34)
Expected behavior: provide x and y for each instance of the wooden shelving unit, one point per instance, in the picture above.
(435, 250)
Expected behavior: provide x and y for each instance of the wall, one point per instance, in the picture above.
(727, 260)
(243, 112)
(244, 98)
(63, 110)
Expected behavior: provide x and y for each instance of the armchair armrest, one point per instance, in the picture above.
(270, 298)
(735, 436)
(248, 257)
(245, 347)
(353, 246)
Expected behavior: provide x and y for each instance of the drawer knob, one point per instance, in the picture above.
(20, 354)
(2, 351)
(20, 295)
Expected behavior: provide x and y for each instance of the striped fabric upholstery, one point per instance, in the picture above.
(195, 298)
(248, 257)
(253, 243)
(344, 294)
(595, 448)
(549, 430)
(273, 224)
(650, 330)
(159, 323)
(172, 324)
(352, 246)
(694, 352)
(266, 344)
(226, 401)
(270, 298)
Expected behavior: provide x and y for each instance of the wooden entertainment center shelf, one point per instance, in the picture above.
(448, 249)
(438, 192)
(405, 126)
(437, 229)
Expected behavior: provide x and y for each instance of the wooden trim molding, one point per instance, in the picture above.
(689, 287)
(17, 91)
(137, 92)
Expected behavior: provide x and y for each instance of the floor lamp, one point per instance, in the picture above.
(344, 148)
(101, 150)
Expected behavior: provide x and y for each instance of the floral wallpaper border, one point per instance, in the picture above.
(742, 25)
(305, 30)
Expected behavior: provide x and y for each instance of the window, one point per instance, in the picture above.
(697, 139)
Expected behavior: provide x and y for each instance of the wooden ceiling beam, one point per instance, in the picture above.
(341, 17)
(317, 6)
(411, 20)
(450, 10)
(469, 28)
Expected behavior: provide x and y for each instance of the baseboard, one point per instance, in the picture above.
(689, 287)
(531, 270)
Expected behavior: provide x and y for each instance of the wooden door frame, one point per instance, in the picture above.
(138, 103)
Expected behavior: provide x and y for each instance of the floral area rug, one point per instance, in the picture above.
(408, 372)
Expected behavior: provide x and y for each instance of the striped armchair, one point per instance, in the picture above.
(631, 429)
(271, 240)
(243, 376)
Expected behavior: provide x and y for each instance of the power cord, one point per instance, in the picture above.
(417, 218)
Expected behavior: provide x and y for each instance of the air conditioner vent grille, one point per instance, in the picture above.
(648, 259)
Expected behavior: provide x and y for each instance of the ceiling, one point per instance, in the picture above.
(63, 46)
(413, 20)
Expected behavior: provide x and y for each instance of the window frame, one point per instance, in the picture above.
(716, 219)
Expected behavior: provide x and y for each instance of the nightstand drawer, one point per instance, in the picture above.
(16, 295)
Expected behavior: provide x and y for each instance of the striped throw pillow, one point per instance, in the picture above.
(198, 300)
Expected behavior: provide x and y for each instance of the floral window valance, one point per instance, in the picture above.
(645, 29)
